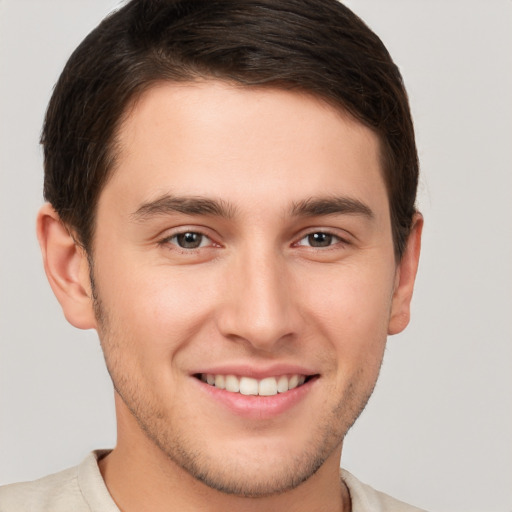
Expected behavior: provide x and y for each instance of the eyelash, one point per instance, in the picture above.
(335, 239)
(169, 240)
(332, 240)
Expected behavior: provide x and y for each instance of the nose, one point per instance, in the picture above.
(259, 306)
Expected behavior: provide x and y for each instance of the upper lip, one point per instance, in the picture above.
(255, 372)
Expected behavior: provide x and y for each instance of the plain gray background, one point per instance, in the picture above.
(437, 431)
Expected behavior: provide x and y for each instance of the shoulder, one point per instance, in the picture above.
(78, 489)
(54, 492)
(366, 499)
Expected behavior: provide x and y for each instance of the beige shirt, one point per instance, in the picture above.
(82, 489)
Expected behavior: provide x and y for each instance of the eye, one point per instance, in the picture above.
(189, 240)
(319, 240)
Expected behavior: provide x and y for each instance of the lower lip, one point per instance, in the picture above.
(258, 407)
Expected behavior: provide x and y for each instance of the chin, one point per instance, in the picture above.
(251, 475)
(249, 466)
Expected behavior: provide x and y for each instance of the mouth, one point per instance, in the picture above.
(248, 386)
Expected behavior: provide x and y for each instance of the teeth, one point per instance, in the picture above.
(248, 386)
(293, 382)
(220, 381)
(268, 386)
(232, 384)
(282, 384)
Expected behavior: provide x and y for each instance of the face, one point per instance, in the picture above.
(245, 276)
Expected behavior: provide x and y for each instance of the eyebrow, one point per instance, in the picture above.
(313, 207)
(189, 205)
(196, 205)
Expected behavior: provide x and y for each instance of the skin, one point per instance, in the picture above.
(256, 293)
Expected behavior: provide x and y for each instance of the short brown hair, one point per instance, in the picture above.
(316, 46)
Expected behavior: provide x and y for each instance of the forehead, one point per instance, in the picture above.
(211, 138)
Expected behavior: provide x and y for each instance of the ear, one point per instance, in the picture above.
(67, 269)
(404, 280)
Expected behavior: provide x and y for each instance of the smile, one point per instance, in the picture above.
(269, 386)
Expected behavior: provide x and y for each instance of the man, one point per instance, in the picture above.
(231, 205)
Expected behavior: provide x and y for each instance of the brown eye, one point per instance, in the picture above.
(320, 239)
(189, 240)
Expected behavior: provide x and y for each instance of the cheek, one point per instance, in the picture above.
(158, 308)
(352, 307)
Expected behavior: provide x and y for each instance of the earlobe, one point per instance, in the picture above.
(67, 268)
(405, 278)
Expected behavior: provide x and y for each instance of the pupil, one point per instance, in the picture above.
(189, 240)
(320, 239)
